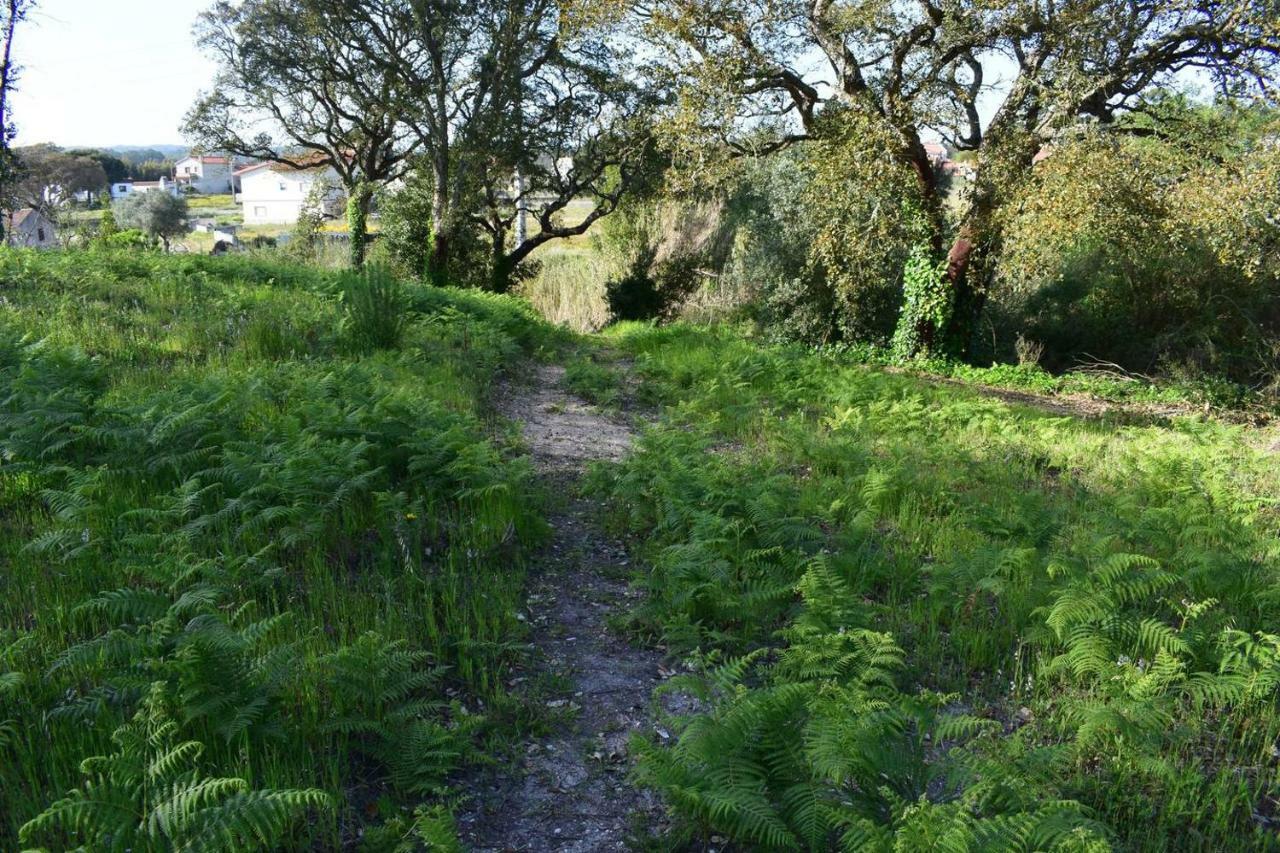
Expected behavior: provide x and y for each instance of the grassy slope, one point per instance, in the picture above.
(1041, 626)
(211, 484)
(975, 611)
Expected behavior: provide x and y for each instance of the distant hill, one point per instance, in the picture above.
(172, 151)
(135, 154)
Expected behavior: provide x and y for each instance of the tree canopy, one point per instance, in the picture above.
(157, 213)
(1002, 79)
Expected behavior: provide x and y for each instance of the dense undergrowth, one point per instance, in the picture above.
(920, 618)
(259, 563)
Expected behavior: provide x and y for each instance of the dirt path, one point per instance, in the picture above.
(570, 791)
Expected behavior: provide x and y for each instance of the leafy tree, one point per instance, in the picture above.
(317, 69)
(113, 167)
(518, 106)
(748, 85)
(158, 214)
(107, 227)
(1156, 252)
(152, 169)
(305, 238)
(49, 177)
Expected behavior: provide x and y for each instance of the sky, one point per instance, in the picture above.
(108, 72)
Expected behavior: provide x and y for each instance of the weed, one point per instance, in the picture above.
(921, 617)
(245, 522)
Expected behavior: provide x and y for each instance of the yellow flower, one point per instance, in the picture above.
(409, 516)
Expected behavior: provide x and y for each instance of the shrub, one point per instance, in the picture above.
(1133, 253)
(159, 214)
(376, 308)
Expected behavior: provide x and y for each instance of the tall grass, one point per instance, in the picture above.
(919, 618)
(569, 287)
(298, 560)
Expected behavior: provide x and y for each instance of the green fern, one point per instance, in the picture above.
(149, 794)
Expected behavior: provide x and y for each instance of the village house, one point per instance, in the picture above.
(29, 228)
(275, 194)
(205, 174)
(123, 188)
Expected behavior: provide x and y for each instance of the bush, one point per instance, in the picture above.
(376, 309)
(822, 236)
(405, 237)
(1131, 253)
(129, 238)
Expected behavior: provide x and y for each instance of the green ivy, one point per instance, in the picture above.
(926, 306)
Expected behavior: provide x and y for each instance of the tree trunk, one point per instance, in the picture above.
(359, 197)
(438, 255)
(927, 181)
(500, 274)
(438, 258)
(15, 12)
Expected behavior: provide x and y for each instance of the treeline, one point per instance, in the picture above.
(482, 125)
(1150, 247)
(47, 176)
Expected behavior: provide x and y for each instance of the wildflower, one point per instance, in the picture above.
(410, 516)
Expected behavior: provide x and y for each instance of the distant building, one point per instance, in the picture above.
(275, 194)
(940, 158)
(29, 228)
(123, 188)
(206, 174)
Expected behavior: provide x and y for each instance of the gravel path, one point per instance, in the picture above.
(570, 791)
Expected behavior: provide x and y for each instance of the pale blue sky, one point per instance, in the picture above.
(108, 72)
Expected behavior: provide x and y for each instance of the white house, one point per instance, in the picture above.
(274, 194)
(29, 228)
(205, 174)
(124, 188)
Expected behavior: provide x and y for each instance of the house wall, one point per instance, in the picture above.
(36, 232)
(163, 185)
(208, 178)
(276, 198)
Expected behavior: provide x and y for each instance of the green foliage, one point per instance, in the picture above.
(404, 215)
(314, 556)
(376, 306)
(357, 221)
(657, 267)
(920, 618)
(593, 382)
(1147, 253)
(129, 238)
(158, 214)
(107, 227)
(926, 306)
(304, 239)
(149, 794)
(407, 234)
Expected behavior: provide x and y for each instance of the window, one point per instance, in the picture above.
(284, 187)
(40, 234)
(260, 212)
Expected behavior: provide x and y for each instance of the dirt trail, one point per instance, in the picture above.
(570, 791)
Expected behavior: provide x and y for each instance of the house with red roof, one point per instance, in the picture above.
(205, 173)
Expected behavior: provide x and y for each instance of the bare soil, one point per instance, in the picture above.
(570, 791)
